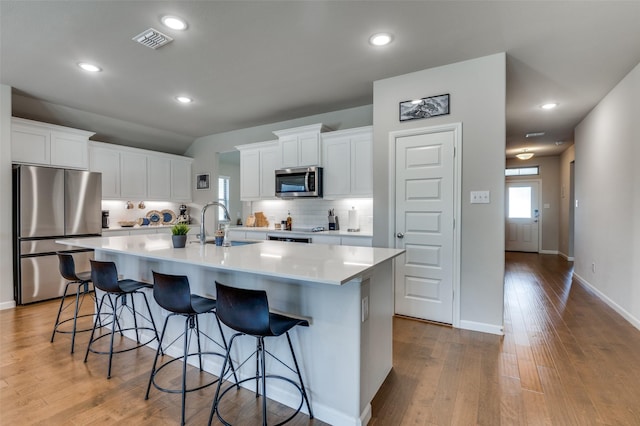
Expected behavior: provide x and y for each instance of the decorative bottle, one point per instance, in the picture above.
(289, 221)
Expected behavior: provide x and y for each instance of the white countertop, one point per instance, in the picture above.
(328, 264)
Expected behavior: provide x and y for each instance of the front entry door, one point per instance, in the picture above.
(523, 215)
(424, 224)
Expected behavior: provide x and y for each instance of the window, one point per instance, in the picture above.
(520, 202)
(223, 196)
(523, 171)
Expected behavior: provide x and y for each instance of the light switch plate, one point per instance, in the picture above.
(480, 197)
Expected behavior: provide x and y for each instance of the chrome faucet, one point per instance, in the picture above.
(202, 236)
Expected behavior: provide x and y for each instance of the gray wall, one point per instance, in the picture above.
(607, 218)
(549, 168)
(6, 248)
(477, 88)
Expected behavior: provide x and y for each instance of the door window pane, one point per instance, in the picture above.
(520, 202)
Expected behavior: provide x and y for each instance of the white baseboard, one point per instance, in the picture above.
(482, 327)
(613, 305)
(548, 251)
(567, 258)
(7, 305)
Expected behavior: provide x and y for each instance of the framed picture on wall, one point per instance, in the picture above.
(424, 108)
(202, 181)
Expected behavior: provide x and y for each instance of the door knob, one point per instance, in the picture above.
(400, 235)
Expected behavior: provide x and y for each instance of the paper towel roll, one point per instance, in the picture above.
(354, 224)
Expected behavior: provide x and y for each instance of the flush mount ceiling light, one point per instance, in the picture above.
(184, 99)
(550, 105)
(381, 39)
(525, 154)
(89, 67)
(174, 22)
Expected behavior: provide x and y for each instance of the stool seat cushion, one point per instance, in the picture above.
(202, 304)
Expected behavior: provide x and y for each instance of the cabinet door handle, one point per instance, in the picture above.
(400, 235)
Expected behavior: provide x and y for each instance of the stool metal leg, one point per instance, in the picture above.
(295, 362)
(64, 296)
(264, 381)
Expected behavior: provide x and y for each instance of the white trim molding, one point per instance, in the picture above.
(482, 327)
(613, 305)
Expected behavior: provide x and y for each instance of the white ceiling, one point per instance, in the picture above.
(248, 63)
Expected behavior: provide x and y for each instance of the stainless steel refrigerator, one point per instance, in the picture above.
(51, 204)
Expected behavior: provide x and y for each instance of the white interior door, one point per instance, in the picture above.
(523, 216)
(424, 224)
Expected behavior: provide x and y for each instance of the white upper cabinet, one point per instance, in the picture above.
(258, 163)
(106, 160)
(181, 179)
(348, 163)
(33, 142)
(158, 178)
(130, 173)
(300, 146)
(133, 175)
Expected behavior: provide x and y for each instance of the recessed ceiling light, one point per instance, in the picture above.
(184, 99)
(381, 39)
(550, 105)
(174, 22)
(89, 67)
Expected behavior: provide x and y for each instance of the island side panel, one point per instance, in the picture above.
(376, 344)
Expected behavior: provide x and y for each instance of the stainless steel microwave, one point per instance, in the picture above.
(299, 182)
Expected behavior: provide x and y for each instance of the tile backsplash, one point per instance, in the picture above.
(314, 212)
(119, 212)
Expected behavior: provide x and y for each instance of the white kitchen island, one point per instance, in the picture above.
(346, 292)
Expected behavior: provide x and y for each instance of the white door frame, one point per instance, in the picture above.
(539, 206)
(456, 128)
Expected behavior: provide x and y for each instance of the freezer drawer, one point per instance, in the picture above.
(41, 279)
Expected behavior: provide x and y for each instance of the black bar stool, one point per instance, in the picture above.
(81, 280)
(173, 293)
(105, 277)
(247, 312)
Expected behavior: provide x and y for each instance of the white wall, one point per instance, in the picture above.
(477, 88)
(607, 219)
(205, 150)
(6, 237)
(549, 168)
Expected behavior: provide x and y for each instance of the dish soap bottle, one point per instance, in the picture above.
(289, 221)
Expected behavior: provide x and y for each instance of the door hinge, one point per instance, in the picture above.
(454, 223)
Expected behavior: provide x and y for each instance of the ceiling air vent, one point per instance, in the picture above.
(152, 38)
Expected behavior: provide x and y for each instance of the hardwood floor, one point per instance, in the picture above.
(566, 359)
